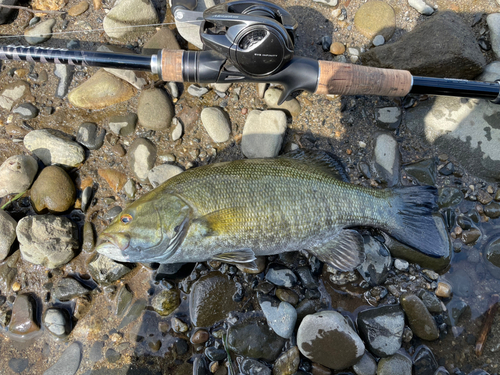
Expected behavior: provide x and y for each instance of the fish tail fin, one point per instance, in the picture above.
(413, 222)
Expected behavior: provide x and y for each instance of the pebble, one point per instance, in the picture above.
(388, 118)
(420, 320)
(387, 158)
(65, 74)
(281, 277)
(87, 195)
(378, 40)
(13, 93)
(90, 135)
(216, 123)
(421, 7)
(165, 302)
(177, 129)
(18, 365)
(332, 3)
(95, 353)
(201, 336)
(115, 179)
(47, 240)
(7, 233)
(101, 90)
(141, 158)
(263, 134)
(290, 105)
(173, 89)
(366, 365)
(424, 361)
(261, 89)
(377, 263)
(253, 367)
(112, 355)
(461, 283)
(52, 147)
(397, 364)
(112, 213)
(23, 321)
(56, 322)
(68, 363)
(179, 326)
(130, 189)
(325, 42)
(123, 125)
(431, 301)
(287, 295)
(40, 33)
(17, 174)
(401, 265)
(123, 300)
(88, 237)
(78, 9)
(261, 266)
(281, 316)
(375, 18)
(26, 111)
(215, 354)
(8, 271)
(197, 91)
(423, 171)
(492, 210)
(53, 190)
(155, 109)
(163, 39)
(68, 288)
(161, 173)
(337, 48)
(288, 362)
(327, 338)
(105, 271)
(122, 20)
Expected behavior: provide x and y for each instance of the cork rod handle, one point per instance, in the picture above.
(171, 65)
(349, 79)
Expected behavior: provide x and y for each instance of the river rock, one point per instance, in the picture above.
(420, 320)
(216, 123)
(212, 287)
(39, 33)
(421, 7)
(281, 316)
(163, 39)
(424, 361)
(23, 321)
(90, 135)
(78, 9)
(493, 21)
(47, 240)
(387, 159)
(366, 365)
(399, 364)
(68, 363)
(18, 365)
(115, 179)
(155, 109)
(123, 125)
(327, 338)
(177, 129)
(281, 277)
(165, 302)
(377, 262)
(290, 105)
(68, 288)
(13, 93)
(26, 111)
(53, 190)
(252, 367)
(65, 74)
(161, 173)
(375, 18)
(102, 90)
(17, 174)
(388, 118)
(105, 271)
(255, 339)
(56, 321)
(263, 134)
(8, 271)
(122, 20)
(459, 57)
(7, 233)
(382, 329)
(5, 13)
(53, 147)
(141, 158)
(287, 363)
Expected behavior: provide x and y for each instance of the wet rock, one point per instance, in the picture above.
(23, 321)
(449, 197)
(424, 361)
(163, 39)
(26, 111)
(17, 174)
(252, 367)
(7, 233)
(53, 147)
(491, 72)
(216, 123)
(66, 289)
(424, 171)
(39, 33)
(261, 266)
(459, 57)
(382, 329)
(179, 326)
(133, 313)
(47, 240)
(68, 363)
(327, 338)
(399, 364)
(377, 262)
(375, 18)
(456, 307)
(388, 117)
(201, 336)
(470, 236)
(366, 365)
(420, 320)
(387, 159)
(254, 339)
(115, 179)
(431, 301)
(287, 363)
(461, 283)
(165, 302)
(281, 316)
(90, 135)
(492, 210)
(112, 355)
(155, 109)
(123, 300)
(18, 365)
(341, 278)
(141, 158)
(290, 105)
(263, 134)
(212, 287)
(57, 322)
(13, 93)
(161, 173)
(122, 20)
(8, 271)
(443, 290)
(493, 25)
(53, 190)
(123, 125)
(87, 196)
(215, 354)
(105, 271)
(401, 265)
(287, 295)
(5, 13)
(421, 7)
(65, 74)
(102, 90)
(492, 257)
(281, 277)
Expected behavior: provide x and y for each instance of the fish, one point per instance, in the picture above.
(235, 211)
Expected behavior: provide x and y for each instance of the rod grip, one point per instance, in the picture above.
(349, 79)
(171, 65)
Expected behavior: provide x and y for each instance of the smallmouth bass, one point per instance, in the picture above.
(237, 210)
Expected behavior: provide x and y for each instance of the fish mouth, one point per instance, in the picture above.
(113, 246)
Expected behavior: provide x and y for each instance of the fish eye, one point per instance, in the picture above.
(125, 219)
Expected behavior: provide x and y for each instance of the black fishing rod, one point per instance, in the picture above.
(253, 41)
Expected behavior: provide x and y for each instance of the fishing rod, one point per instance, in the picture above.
(253, 41)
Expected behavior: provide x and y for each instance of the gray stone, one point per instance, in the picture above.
(130, 189)
(26, 111)
(177, 129)
(155, 109)
(90, 135)
(106, 271)
(123, 125)
(421, 7)
(378, 40)
(377, 262)
(112, 213)
(197, 91)
(141, 158)
(65, 73)
(399, 364)
(56, 322)
(18, 365)
(459, 57)
(382, 329)
(216, 123)
(173, 89)
(290, 105)
(17, 174)
(281, 277)
(68, 363)
(493, 21)
(401, 265)
(39, 33)
(420, 320)
(66, 289)
(281, 316)
(122, 20)
(263, 134)
(423, 171)
(161, 173)
(387, 159)
(366, 365)
(388, 117)
(95, 354)
(134, 313)
(431, 301)
(252, 367)
(5, 13)
(13, 93)
(47, 240)
(7, 233)
(327, 338)
(50, 146)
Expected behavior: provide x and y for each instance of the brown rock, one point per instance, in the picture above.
(53, 190)
(443, 290)
(337, 48)
(374, 18)
(201, 336)
(287, 363)
(419, 318)
(78, 9)
(317, 369)
(48, 4)
(116, 180)
(23, 316)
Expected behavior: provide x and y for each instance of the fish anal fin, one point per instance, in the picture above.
(345, 251)
(242, 256)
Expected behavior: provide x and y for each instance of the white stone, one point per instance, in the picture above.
(177, 129)
(261, 89)
(493, 21)
(378, 40)
(216, 123)
(332, 3)
(401, 265)
(388, 115)
(491, 72)
(7, 233)
(263, 134)
(421, 7)
(10, 95)
(17, 174)
(161, 173)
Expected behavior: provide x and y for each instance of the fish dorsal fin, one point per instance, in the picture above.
(345, 251)
(321, 159)
(245, 256)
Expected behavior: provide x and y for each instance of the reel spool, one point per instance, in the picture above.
(256, 36)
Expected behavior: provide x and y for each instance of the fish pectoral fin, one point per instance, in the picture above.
(243, 256)
(180, 232)
(345, 251)
(222, 221)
